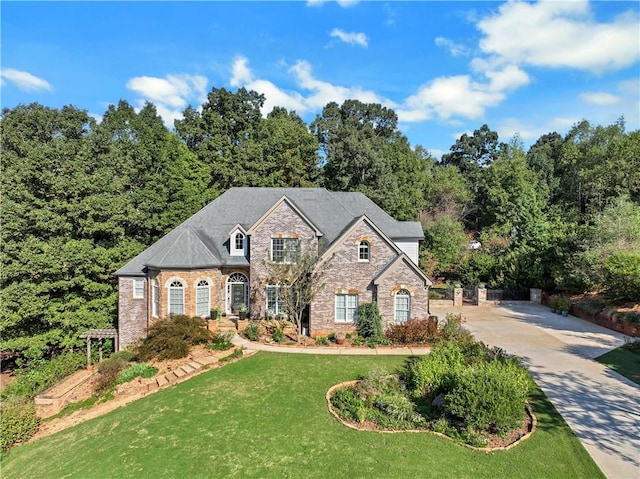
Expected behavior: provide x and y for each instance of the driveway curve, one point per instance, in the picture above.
(601, 406)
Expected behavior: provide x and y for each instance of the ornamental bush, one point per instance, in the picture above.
(418, 331)
(622, 276)
(490, 396)
(369, 321)
(171, 338)
(437, 372)
(141, 370)
(18, 421)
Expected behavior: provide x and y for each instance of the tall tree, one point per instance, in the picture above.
(364, 151)
(290, 149)
(472, 153)
(225, 138)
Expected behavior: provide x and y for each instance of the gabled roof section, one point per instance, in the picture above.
(275, 206)
(402, 259)
(237, 227)
(187, 250)
(354, 224)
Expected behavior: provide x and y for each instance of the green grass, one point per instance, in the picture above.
(266, 417)
(623, 362)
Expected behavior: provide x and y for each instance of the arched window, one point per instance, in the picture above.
(363, 251)
(237, 291)
(202, 299)
(403, 306)
(239, 241)
(176, 298)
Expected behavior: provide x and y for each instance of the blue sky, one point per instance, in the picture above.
(444, 67)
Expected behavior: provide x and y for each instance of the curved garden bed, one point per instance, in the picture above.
(516, 437)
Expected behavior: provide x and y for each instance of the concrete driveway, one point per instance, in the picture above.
(601, 407)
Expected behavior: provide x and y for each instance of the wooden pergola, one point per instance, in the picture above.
(101, 335)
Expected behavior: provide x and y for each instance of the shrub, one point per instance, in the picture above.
(108, 372)
(369, 321)
(622, 276)
(236, 354)
(452, 327)
(171, 338)
(400, 409)
(322, 340)
(252, 331)
(490, 396)
(221, 342)
(18, 421)
(633, 346)
(633, 317)
(126, 355)
(278, 335)
(348, 404)
(42, 374)
(136, 370)
(435, 373)
(414, 331)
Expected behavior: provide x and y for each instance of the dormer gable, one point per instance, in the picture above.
(238, 241)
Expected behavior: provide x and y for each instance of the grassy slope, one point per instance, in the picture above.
(266, 416)
(623, 362)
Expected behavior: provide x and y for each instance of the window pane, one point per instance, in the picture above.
(176, 298)
(202, 299)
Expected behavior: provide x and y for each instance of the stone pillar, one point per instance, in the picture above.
(535, 295)
(481, 296)
(457, 296)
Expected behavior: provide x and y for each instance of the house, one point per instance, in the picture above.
(219, 257)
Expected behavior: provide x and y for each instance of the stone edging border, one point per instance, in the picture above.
(534, 424)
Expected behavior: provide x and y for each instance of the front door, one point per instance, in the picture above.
(237, 296)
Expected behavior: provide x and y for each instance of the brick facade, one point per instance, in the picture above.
(132, 312)
(377, 279)
(284, 221)
(346, 274)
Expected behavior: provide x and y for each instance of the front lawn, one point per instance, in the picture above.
(624, 362)
(266, 416)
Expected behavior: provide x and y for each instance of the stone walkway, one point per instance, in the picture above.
(241, 342)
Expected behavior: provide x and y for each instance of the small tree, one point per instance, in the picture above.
(369, 321)
(303, 278)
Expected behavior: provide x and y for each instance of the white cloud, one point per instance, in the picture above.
(171, 94)
(25, 81)
(352, 38)
(461, 96)
(455, 49)
(600, 98)
(509, 127)
(560, 34)
(319, 92)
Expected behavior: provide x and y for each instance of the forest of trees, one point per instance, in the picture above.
(80, 198)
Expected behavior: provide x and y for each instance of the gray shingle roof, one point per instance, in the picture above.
(202, 240)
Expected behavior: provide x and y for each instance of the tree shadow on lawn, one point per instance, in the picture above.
(598, 413)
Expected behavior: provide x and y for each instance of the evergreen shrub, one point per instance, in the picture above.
(490, 396)
(18, 421)
(369, 321)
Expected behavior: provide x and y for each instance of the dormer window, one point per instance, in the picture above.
(237, 242)
(363, 251)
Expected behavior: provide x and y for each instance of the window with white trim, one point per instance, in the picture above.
(284, 250)
(363, 251)
(276, 299)
(402, 306)
(238, 241)
(155, 299)
(202, 299)
(138, 288)
(176, 298)
(346, 307)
